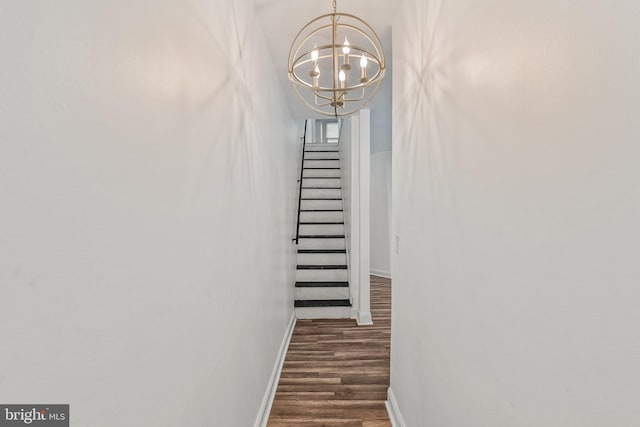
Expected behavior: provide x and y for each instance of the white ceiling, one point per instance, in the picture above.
(282, 19)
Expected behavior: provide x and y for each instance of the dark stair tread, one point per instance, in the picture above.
(321, 169)
(322, 188)
(322, 284)
(323, 303)
(322, 267)
(325, 236)
(321, 151)
(322, 251)
(323, 223)
(320, 210)
(320, 177)
(321, 160)
(322, 236)
(323, 198)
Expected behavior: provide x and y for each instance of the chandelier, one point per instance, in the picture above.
(322, 59)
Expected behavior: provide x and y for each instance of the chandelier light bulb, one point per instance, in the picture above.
(314, 55)
(363, 65)
(364, 61)
(346, 47)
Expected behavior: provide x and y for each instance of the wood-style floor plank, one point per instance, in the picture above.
(336, 373)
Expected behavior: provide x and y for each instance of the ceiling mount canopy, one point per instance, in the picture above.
(336, 64)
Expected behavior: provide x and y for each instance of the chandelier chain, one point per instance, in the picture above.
(335, 6)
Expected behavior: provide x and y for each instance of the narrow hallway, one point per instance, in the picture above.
(336, 373)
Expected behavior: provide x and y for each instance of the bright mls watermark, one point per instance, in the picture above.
(34, 415)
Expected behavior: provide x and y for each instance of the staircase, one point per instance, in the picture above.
(322, 275)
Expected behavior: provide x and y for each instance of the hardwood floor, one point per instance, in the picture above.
(336, 373)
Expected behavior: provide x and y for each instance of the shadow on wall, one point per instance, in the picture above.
(216, 76)
(419, 97)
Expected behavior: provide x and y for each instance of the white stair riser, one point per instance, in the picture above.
(321, 204)
(321, 163)
(321, 229)
(321, 155)
(320, 147)
(321, 243)
(321, 172)
(321, 182)
(323, 312)
(322, 259)
(322, 275)
(321, 193)
(322, 293)
(321, 216)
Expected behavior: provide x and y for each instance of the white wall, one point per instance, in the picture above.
(348, 189)
(355, 172)
(148, 196)
(381, 168)
(380, 211)
(516, 203)
(362, 149)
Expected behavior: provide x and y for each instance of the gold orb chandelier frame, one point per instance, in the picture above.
(321, 64)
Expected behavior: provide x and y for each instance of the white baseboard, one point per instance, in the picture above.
(393, 410)
(380, 273)
(364, 318)
(270, 393)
